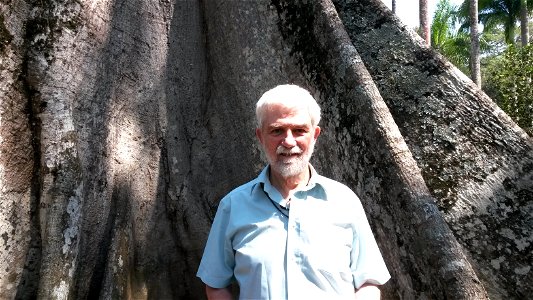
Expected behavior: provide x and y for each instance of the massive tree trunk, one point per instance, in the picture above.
(476, 162)
(123, 123)
(374, 157)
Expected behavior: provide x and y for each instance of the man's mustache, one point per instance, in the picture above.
(288, 151)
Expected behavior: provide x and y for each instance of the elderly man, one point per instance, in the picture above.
(291, 233)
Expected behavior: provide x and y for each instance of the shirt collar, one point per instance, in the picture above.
(274, 193)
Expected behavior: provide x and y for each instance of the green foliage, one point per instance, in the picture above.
(443, 21)
(508, 80)
(457, 50)
(494, 13)
(493, 41)
(453, 46)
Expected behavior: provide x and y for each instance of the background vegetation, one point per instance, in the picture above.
(506, 60)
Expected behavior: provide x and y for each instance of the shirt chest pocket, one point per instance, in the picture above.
(328, 243)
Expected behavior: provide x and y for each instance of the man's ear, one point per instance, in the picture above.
(258, 135)
(317, 132)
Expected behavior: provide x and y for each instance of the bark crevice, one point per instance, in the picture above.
(29, 282)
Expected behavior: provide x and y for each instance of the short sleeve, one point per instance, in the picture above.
(367, 263)
(218, 261)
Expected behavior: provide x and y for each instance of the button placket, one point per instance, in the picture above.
(295, 244)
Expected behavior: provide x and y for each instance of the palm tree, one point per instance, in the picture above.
(424, 21)
(493, 13)
(475, 67)
(524, 26)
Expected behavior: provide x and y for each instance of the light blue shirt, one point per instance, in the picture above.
(322, 249)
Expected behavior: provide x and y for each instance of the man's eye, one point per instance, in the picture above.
(276, 131)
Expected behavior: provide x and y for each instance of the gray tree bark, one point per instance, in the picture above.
(20, 239)
(123, 123)
(476, 162)
(376, 157)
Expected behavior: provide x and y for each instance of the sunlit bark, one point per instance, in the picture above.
(474, 159)
(124, 122)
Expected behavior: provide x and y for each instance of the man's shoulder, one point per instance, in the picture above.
(243, 188)
(333, 185)
(242, 191)
(340, 194)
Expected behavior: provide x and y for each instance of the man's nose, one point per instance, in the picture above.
(289, 141)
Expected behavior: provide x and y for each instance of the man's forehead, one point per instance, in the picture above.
(284, 123)
(284, 109)
(283, 114)
(294, 121)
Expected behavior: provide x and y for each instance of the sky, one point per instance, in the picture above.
(407, 10)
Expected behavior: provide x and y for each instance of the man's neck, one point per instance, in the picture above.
(288, 185)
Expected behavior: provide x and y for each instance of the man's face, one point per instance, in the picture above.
(288, 138)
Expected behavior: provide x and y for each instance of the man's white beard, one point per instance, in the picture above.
(291, 165)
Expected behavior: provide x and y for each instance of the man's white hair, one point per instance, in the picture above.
(287, 94)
